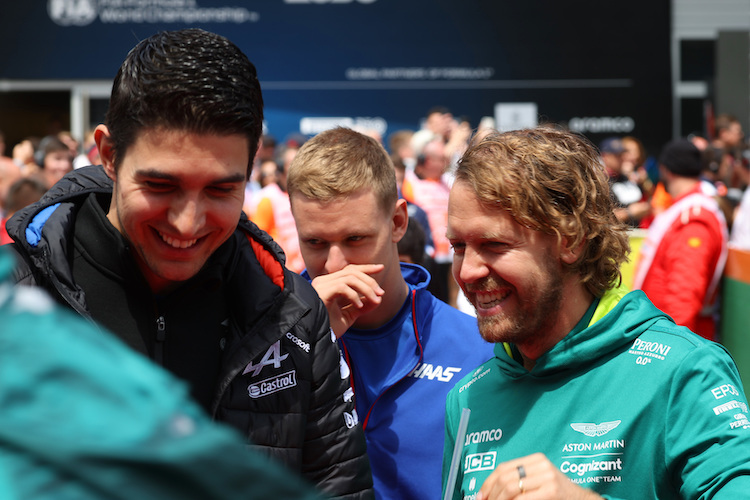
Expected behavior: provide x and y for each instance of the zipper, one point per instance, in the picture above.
(161, 336)
(419, 361)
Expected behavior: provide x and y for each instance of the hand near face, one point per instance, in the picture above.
(348, 294)
(541, 481)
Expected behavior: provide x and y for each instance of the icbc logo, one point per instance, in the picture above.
(480, 461)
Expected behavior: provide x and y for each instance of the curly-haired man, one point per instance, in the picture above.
(592, 390)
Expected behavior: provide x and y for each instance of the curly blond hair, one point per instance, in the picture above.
(552, 181)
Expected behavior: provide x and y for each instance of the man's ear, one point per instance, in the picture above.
(569, 254)
(106, 152)
(400, 220)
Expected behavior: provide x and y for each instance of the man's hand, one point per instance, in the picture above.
(348, 294)
(531, 478)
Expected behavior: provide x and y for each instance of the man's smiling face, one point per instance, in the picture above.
(177, 197)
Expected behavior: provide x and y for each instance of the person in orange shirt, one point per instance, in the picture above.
(273, 214)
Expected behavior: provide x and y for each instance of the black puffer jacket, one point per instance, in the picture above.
(280, 381)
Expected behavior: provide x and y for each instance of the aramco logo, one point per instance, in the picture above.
(72, 12)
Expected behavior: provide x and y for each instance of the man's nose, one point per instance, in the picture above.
(335, 260)
(471, 267)
(187, 215)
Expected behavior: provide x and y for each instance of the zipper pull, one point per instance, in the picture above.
(161, 329)
(161, 336)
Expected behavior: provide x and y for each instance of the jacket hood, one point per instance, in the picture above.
(416, 276)
(30, 220)
(619, 319)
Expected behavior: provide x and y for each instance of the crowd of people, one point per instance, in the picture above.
(443, 315)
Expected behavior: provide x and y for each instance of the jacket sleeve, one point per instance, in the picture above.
(22, 271)
(707, 427)
(334, 456)
(692, 254)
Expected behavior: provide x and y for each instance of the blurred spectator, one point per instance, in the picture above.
(9, 173)
(729, 145)
(437, 125)
(23, 192)
(428, 190)
(683, 256)
(90, 155)
(2, 146)
(399, 145)
(74, 146)
(266, 149)
(268, 172)
(24, 156)
(273, 214)
(631, 205)
(740, 236)
(54, 158)
(416, 214)
(634, 167)
(634, 163)
(266, 152)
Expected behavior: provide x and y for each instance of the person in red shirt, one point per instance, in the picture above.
(683, 257)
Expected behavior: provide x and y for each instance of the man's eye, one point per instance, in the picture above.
(221, 189)
(495, 246)
(458, 247)
(158, 186)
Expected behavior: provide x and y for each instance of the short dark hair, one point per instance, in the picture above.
(190, 80)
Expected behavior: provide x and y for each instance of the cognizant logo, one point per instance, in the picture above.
(592, 466)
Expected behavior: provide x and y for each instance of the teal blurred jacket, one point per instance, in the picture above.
(84, 417)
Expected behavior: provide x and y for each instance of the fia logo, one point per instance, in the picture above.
(72, 12)
(271, 357)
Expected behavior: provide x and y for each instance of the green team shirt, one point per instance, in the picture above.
(628, 404)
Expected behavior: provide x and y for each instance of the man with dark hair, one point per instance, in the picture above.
(153, 245)
(592, 391)
(400, 341)
(683, 256)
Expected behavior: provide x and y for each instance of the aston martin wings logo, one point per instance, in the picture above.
(592, 430)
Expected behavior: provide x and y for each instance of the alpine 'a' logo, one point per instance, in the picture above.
(592, 430)
(272, 357)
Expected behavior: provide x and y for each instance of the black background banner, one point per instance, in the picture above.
(601, 67)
